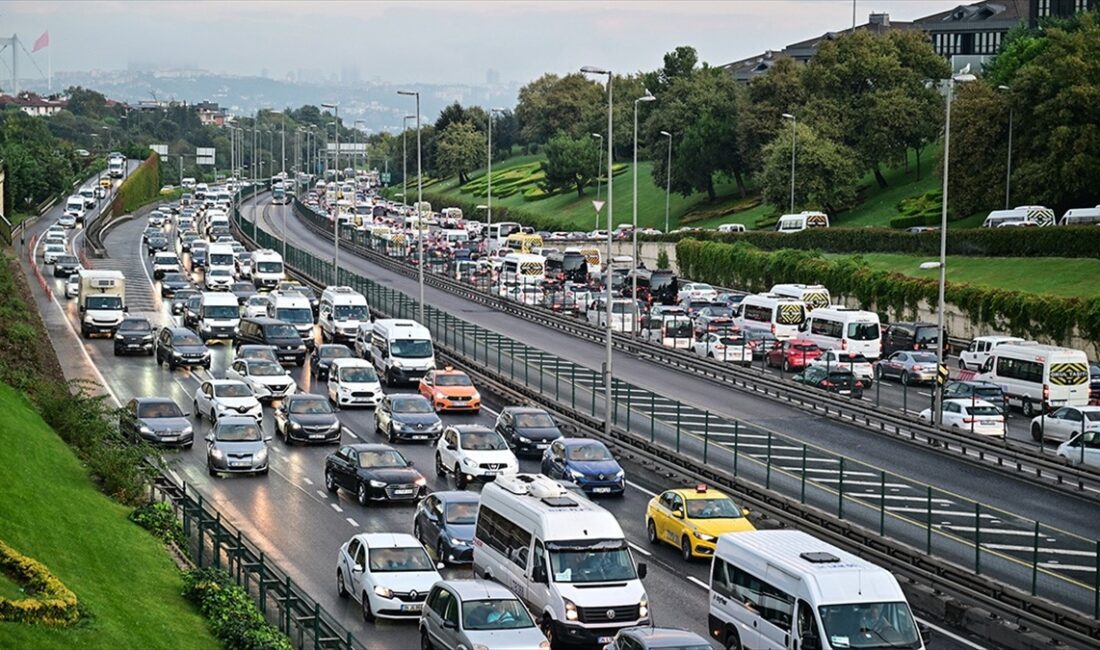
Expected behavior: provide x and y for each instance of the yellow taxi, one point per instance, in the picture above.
(450, 390)
(693, 518)
(105, 182)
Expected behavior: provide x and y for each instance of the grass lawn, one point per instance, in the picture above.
(50, 511)
(879, 205)
(1074, 276)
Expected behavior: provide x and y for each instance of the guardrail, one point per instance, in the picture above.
(214, 542)
(823, 494)
(1004, 455)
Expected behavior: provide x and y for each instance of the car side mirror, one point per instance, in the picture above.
(358, 568)
(744, 512)
(82, 309)
(210, 437)
(286, 372)
(451, 447)
(643, 570)
(267, 438)
(410, 464)
(440, 566)
(678, 513)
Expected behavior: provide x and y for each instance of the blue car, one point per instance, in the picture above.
(586, 463)
(444, 522)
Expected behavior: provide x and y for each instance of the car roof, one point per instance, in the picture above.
(391, 540)
(468, 428)
(966, 401)
(523, 409)
(477, 589)
(154, 400)
(301, 397)
(179, 331)
(448, 371)
(660, 637)
(370, 446)
(351, 362)
(236, 419)
(457, 496)
(693, 493)
(577, 442)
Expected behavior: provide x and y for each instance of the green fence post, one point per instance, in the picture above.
(186, 515)
(218, 541)
(237, 554)
(557, 378)
(573, 384)
(678, 406)
(316, 626)
(736, 444)
(652, 417)
(1096, 589)
(840, 502)
(928, 524)
(1035, 560)
(593, 391)
(977, 538)
(499, 365)
(202, 541)
(768, 473)
(706, 434)
(882, 503)
(263, 584)
(526, 365)
(628, 392)
(287, 605)
(802, 488)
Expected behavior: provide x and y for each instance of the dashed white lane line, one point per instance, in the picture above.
(641, 489)
(951, 635)
(307, 481)
(336, 507)
(699, 583)
(352, 522)
(322, 494)
(639, 549)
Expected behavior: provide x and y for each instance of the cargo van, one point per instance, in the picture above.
(522, 268)
(101, 301)
(294, 308)
(1038, 377)
(802, 221)
(267, 268)
(843, 328)
(771, 313)
(221, 256)
(340, 312)
(220, 315)
(563, 555)
(1081, 217)
(788, 589)
(401, 350)
(814, 295)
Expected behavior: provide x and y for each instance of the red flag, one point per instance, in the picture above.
(42, 42)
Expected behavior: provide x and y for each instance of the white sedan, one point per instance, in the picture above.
(1082, 449)
(390, 574)
(72, 286)
(256, 306)
(226, 397)
(696, 291)
(976, 416)
(473, 452)
(53, 251)
(1065, 422)
(860, 366)
(268, 379)
(724, 347)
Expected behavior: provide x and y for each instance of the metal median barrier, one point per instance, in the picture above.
(1014, 565)
(1005, 455)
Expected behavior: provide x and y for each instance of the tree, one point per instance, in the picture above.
(85, 102)
(552, 104)
(979, 137)
(570, 163)
(505, 132)
(451, 114)
(826, 172)
(459, 150)
(760, 112)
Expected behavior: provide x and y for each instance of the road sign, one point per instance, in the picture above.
(385, 177)
(942, 375)
(204, 156)
(160, 149)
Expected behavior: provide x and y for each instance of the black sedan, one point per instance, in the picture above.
(444, 521)
(156, 243)
(307, 418)
(373, 473)
(65, 266)
(321, 358)
(842, 382)
(157, 420)
(407, 417)
(180, 298)
(172, 283)
(134, 335)
(527, 430)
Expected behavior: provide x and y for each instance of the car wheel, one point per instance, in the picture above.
(1036, 432)
(460, 478)
(651, 532)
(685, 548)
(390, 437)
(962, 365)
(213, 416)
(1028, 408)
(439, 469)
(210, 469)
(368, 615)
(330, 482)
(425, 642)
(160, 361)
(733, 642)
(361, 494)
(440, 555)
(341, 589)
(786, 366)
(117, 353)
(905, 378)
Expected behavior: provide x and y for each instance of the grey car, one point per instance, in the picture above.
(657, 638)
(237, 445)
(917, 367)
(172, 283)
(307, 418)
(407, 417)
(477, 614)
(156, 420)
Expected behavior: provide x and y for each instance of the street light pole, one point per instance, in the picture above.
(794, 136)
(419, 201)
(608, 376)
(489, 173)
(1008, 164)
(282, 137)
(668, 177)
(336, 214)
(405, 159)
(647, 97)
(599, 169)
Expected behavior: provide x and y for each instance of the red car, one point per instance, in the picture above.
(793, 354)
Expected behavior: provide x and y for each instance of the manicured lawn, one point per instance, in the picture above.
(50, 511)
(879, 205)
(1051, 275)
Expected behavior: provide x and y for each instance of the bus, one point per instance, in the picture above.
(522, 243)
(570, 266)
(498, 232)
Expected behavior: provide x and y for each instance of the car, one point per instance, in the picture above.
(657, 638)
(733, 348)
(180, 347)
(72, 286)
(977, 389)
(244, 265)
(970, 415)
(837, 380)
(235, 445)
(50, 252)
(254, 351)
(218, 279)
(407, 417)
(215, 398)
(256, 306)
(389, 574)
(691, 519)
(172, 283)
(528, 430)
(373, 473)
(792, 354)
(180, 298)
(909, 368)
(267, 377)
(156, 243)
(68, 219)
(156, 420)
(243, 291)
(444, 522)
(1094, 380)
(1082, 449)
(1065, 422)
(156, 218)
(585, 462)
(134, 335)
(713, 318)
(857, 363)
(165, 262)
(696, 291)
(353, 382)
(150, 231)
(306, 417)
(187, 240)
(65, 265)
(277, 334)
(730, 300)
(477, 614)
(450, 390)
(910, 336)
(472, 452)
(323, 355)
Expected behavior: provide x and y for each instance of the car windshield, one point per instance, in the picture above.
(482, 440)
(135, 325)
(870, 625)
(350, 312)
(863, 331)
(269, 267)
(282, 331)
(622, 308)
(716, 508)
(850, 358)
(159, 410)
(679, 328)
(172, 278)
(994, 392)
(334, 352)
(359, 375)
(982, 410)
(219, 272)
(222, 312)
(1092, 416)
(383, 458)
(310, 406)
(235, 389)
(257, 301)
(411, 348)
(67, 259)
(452, 379)
(242, 432)
(412, 405)
(804, 347)
(187, 338)
(922, 335)
(588, 452)
(387, 560)
(731, 341)
(462, 512)
(719, 312)
(924, 358)
(264, 368)
(592, 564)
(296, 315)
(102, 302)
(534, 421)
(495, 615)
(243, 286)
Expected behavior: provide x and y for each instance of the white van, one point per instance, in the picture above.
(340, 312)
(267, 268)
(843, 328)
(214, 219)
(401, 350)
(563, 555)
(523, 268)
(455, 238)
(814, 295)
(624, 313)
(771, 313)
(1023, 215)
(1038, 377)
(498, 232)
(219, 316)
(732, 227)
(977, 352)
(787, 589)
(294, 308)
(221, 256)
(1081, 217)
(803, 220)
(74, 207)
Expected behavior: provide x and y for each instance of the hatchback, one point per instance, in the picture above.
(477, 614)
(236, 445)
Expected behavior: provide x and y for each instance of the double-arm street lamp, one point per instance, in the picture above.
(647, 97)
(419, 200)
(336, 214)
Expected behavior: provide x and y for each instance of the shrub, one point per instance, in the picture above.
(49, 601)
(139, 188)
(232, 615)
(159, 519)
(662, 259)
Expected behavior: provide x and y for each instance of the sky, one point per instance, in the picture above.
(429, 41)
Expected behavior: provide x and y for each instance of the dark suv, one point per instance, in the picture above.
(909, 336)
(179, 346)
(276, 333)
(977, 389)
(134, 335)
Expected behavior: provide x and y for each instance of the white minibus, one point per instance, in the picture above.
(771, 313)
(789, 223)
(1038, 377)
(814, 295)
(843, 328)
(401, 350)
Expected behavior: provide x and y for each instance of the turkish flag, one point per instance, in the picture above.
(42, 42)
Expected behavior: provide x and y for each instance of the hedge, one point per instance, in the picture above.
(158, 518)
(1023, 314)
(49, 601)
(139, 187)
(233, 617)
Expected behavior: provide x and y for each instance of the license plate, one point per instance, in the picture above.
(170, 438)
(605, 639)
(412, 608)
(844, 392)
(541, 446)
(420, 437)
(316, 436)
(601, 490)
(402, 492)
(491, 472)
(988, 423)
(238, 463)
(133, 345)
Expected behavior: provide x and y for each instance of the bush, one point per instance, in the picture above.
(159, 519)
(49, 601)
(662, 259)
(233, 617)
(139, 188)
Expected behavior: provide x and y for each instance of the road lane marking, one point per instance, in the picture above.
(641, 489)
(699, 583)
(951, 635)
(336, 507)
(307, 481)
(639, 549)
(322, 494)
(352, 522)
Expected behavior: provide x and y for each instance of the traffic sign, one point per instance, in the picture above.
(942, 374)
(204, 156)
(385, 177)
(160, 149)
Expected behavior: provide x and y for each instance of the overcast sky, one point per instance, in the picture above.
(427, 41)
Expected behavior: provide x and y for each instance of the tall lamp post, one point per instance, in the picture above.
(1008, 163)
(647, 97)
(964, 76)
(489, 173)
(599, 167)
(608, 377)
(336, 215)
(794, 136)
(405, 157)
(355, 126)
(668, 177)
(419, 200)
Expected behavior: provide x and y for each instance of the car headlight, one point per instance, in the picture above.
(619, 475)
(457, 542)
(176, 353)
(301, 347)
(570, 610)
(261, 455)
(575, 475)
(294, 425)
(468, 461)
(335, 426)
(118, 336)
(384, 592)
(436, 427)
(187, 431)
(397, 425)
(439, 395)
(476, 396)
(643, 608)
(524, 439)
(377, 484)
(216, 453)
(220, 407)
(704, 536)
(146, 430)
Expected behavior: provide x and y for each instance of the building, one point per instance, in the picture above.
(210, 114)
(34, 104)
(1040, 9)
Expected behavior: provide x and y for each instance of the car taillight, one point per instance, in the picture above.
(773, 328)
(1046, 392)
(916, 346)
(859, 384)
(826, 384)
(843, 344)
(968, 420)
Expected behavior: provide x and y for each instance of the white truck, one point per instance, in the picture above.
(116, 167)
(101, 301)
(267, 269)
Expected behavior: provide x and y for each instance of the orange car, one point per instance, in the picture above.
(450, 390)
